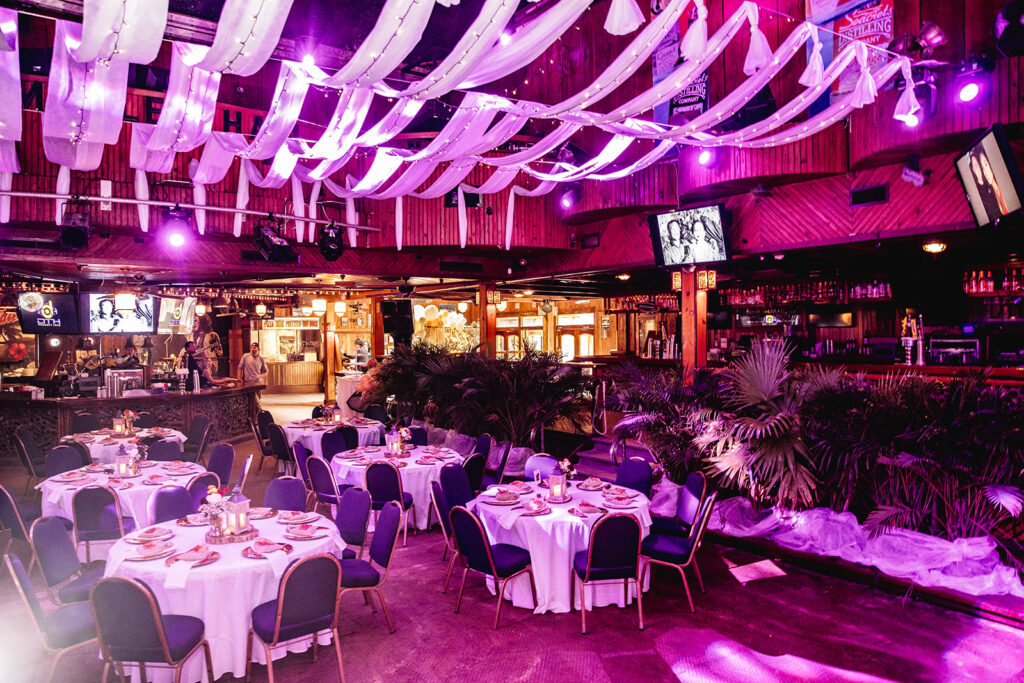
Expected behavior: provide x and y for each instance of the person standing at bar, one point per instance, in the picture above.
(253, 368)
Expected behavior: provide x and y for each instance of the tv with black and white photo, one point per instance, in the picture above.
(990, 177)
(104, 318)
(689, 236)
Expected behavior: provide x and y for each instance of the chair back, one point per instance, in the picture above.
(318, 412)
(263, 420)
(199, 485)
(55, 550)
(442, 507)
(384, 482)
(541, 463)
(321, 480)
(419, 436)
(285, 493)
(170, 502)
(28, 592)
(691, 496)
(700, 525)
(89, 511)
(145, 420)
(62, 459)
(455, 484)
(279, 442)
(503, 463)
(198, 433)
(128, 621)
(301, 455)
(337, 441)
(222, 459)
(165, 450)
(376, 412)
(353, 515)
(10, 515)
(474, 466)
(83, 453)
(83, 421)
(483, 445)
(307, 596)
(614, 546)
(385, 534)
(471, 540)
(635, 473)
(26, 439)
(355, 402)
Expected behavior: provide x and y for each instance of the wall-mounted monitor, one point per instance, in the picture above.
(101, 317)
(991, 178)
(397, 316)
(176, 315)
(689, 236)
(48, 313)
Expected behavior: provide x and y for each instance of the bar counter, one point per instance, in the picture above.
(295, 377)
(229, 411)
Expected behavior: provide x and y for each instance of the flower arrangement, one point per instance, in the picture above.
(405, 434)
(213, 504)
(567, 468)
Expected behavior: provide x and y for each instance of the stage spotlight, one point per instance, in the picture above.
(570, 195)
(269, 243)
(706, 157)
(309, 61)
(176, 226)
(928, 38)
(973, 82)
(331, 242)
(74, 226)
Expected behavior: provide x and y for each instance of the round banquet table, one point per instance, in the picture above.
(310, 434)
(133, 492)
(222, 594)
(344, 387)
(103, 446)
(553, 540)
(349, 467)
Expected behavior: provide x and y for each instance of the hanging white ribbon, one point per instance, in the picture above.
(510, 210)
(121, 30)
(142, 194)
(398, 222)
(907, 106)
(63, 187)
(299, 208)
(624, 16)
(314, 198)
(246, 35)
(813, 74)
(694, 44)
(759, 52)
(865, 92)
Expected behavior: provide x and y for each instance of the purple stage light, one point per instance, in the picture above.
(309, 60)
(505, 38)
(911, 121)
(176, 227)
(176, 239)
(705, 157)
(969, 91)
(973, 82)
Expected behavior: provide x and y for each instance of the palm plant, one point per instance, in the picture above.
(396, 376)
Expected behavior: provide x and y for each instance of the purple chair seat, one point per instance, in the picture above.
(508, 559)
(668, 525)
(358, 574)
(69, 625)
(579, 565)
(78, 589)
(666, 547)
(406, 502)
(263, 617)
(348, 554)
(108, 526)
(183, 634)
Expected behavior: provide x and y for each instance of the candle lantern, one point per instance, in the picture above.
(122, 466)
(393, 442)
(236, 511)
(558, 487)
(336, 416)
(119, 426)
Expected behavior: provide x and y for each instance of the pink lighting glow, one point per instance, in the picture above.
(705, 157)
(911, 121)
(176, 239)
(309, 60)
(505, 39)
(969, 92)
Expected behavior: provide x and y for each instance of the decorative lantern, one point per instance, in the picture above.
(393, 442)
(236, 513)
(558, 487)
(336, 415)
(119, 425)
(121, 465)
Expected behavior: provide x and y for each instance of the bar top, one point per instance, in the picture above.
(151, 398)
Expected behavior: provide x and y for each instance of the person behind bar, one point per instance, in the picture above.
(253, 368)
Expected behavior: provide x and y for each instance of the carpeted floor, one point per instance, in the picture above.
(796, 627)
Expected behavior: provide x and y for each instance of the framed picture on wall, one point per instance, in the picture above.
(344, 322)
(361, 321)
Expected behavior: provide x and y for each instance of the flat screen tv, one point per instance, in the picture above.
(48, 313)
(176, 315)
(990, 177)
(689, 236)
(397, 317)
(102, 318)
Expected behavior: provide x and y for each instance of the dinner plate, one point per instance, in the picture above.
(537, 513)
(261, 513)
(154, 556)
(320, 533)
(158, 482)
(252, 554)
(197, 519)
(135, 539)
(95, 468)
(306, 519)
(519, 489)
(209, 559)
(583, 487)
(620, 506)
(71, 477)
(495, 501)
(124, 485)
(149, 463)
(623, 493)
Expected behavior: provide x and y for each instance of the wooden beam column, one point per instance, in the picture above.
(693, 315)
(377, 323)
(488, 321)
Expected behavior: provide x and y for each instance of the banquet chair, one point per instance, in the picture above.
(324, 486)
(67, 579)
(30, 454)
(83, 421)
(499, 474)
(691, 497)
(199, 485)
(198, 435)
(145, 420)
(96, 512)
(351, 519)
(222, 458)
(361, 575)
(286, 493)
(62, 459)
(501, 561)
(263, 420)
(164, 450)
(132, 630)
(337, 441)
(70, 627)
(443, 511)
(263, 446)
(318, 412)
(170, 502)
(419, 436)
(474, 466)
(14, 517)
(384, 482)
(635, 473)
(612, 555)
(483, 445)
(455, 484)
(540, 463)
(306, 604)
(82, 450)
(279, 442)
(376, 411)
(678, 552)
(301, 456)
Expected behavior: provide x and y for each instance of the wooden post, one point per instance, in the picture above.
(488, 317)
(328, 345)
(377, 323)
(688, 315)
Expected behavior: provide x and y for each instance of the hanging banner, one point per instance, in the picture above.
(692, 100)
(870, 21)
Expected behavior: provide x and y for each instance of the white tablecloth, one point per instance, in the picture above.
(553, 540)
(416, 477)
(344, 387)
(222, 594)
(370, 432)
(103, 447)
(134, 499)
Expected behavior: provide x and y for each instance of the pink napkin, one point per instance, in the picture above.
(306, 530)
(278, 560)
(177, 573)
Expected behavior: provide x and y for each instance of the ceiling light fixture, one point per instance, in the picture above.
(934, 246)
(623, 276)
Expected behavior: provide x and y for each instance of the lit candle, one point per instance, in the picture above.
(557, 482)
(337, 416)
(118, 426)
